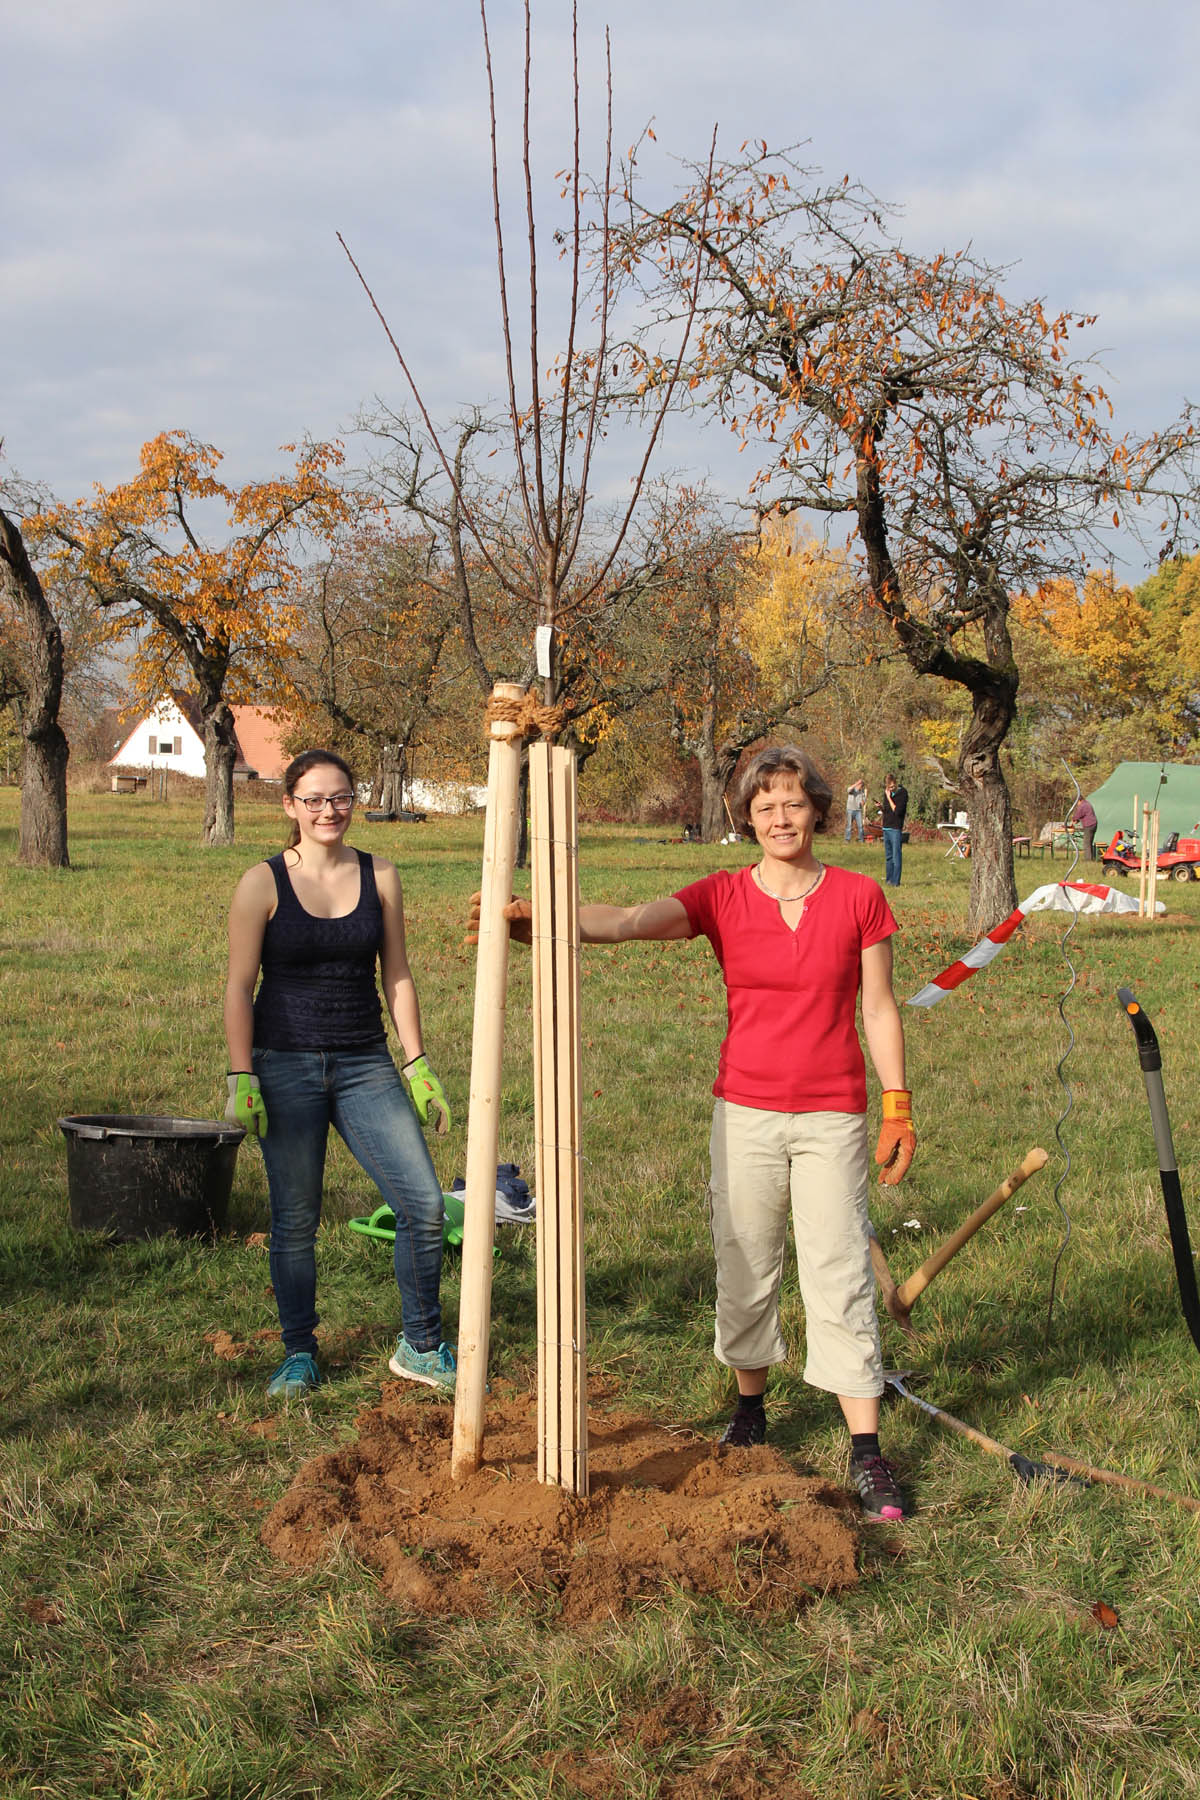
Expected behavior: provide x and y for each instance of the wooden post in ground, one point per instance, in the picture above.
(562, 1319)
(1143, 866)
(1152, 885)
(487, 1049)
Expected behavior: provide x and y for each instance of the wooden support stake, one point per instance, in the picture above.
(573, 1348)
(562, 1351)
(1142, 864)
(543, 1094)
(483, 1121)
(1152, 889)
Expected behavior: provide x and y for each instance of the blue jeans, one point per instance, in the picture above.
(854, 820)
(893, 853)
(359, 1093)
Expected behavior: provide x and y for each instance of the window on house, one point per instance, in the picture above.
(152, 747)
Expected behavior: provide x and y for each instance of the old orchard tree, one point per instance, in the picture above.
(971, 457)
(217, 616)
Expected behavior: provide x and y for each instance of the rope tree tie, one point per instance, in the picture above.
(526, 711)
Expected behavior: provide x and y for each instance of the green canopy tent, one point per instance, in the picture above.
(1176, 784)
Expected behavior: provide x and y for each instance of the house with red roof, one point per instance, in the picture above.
(171, 736)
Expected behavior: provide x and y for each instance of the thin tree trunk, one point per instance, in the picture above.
(716, 766)
(993, 883)
(522, 860)
(44, 762)
(220, 754)
(714, 778)
(391, 786)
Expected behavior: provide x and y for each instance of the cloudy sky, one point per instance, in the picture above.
(172, 179)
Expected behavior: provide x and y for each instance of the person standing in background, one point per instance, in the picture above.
(856, 801)
(892, 810)
(1083, 814)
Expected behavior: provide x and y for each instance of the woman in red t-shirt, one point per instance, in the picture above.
(797, 942)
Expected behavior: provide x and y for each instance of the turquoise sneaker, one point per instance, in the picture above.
(435, 1368)
(294, 1377)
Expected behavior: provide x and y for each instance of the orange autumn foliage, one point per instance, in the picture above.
(210, 609)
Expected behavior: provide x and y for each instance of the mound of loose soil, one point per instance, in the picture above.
(666, 1508)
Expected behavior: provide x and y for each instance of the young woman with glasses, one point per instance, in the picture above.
(309, 1050)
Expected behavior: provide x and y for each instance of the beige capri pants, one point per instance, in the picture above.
(817, 1162)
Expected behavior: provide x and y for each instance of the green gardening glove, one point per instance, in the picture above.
(245, 1105)
(426, 1091)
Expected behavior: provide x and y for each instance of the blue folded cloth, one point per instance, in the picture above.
(514, 1202)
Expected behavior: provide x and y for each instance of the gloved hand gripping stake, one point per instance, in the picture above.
(1168, 1173)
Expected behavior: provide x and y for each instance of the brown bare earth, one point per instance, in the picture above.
(667, 1509)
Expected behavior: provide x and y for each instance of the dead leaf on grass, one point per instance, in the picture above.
(868, 1724)
(1106, 1615)
(257, 1240)
(42, 1612)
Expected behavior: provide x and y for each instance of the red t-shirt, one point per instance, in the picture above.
(792, 1043)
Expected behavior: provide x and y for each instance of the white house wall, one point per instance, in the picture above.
(446, 796)
(152, 744)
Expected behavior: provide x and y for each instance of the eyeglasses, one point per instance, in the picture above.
(316, 803)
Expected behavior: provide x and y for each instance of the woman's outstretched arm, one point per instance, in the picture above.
(656, 920)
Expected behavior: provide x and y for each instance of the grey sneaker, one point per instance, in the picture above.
(745, 1429)
(295, 1375)
(434, 1367)
(878, 1489)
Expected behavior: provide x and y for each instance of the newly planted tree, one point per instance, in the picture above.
(555, 428)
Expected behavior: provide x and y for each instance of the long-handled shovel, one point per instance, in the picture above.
(1150, 1058)
(1063, 1469)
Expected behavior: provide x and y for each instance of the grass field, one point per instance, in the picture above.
(153, 1650)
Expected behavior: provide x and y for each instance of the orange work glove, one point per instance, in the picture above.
(897, 1139)
(519, 914)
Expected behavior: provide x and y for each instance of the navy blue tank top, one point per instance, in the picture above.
(318, 987)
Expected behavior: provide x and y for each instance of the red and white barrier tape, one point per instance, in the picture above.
(1058, 895)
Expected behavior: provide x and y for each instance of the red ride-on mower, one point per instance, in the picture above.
(1179, 858)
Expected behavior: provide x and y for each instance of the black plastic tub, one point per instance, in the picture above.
(134, 1176)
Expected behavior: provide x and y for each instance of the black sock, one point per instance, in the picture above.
(750, 1403)
(863, 1444)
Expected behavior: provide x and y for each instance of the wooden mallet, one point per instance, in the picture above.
(899, 1301)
